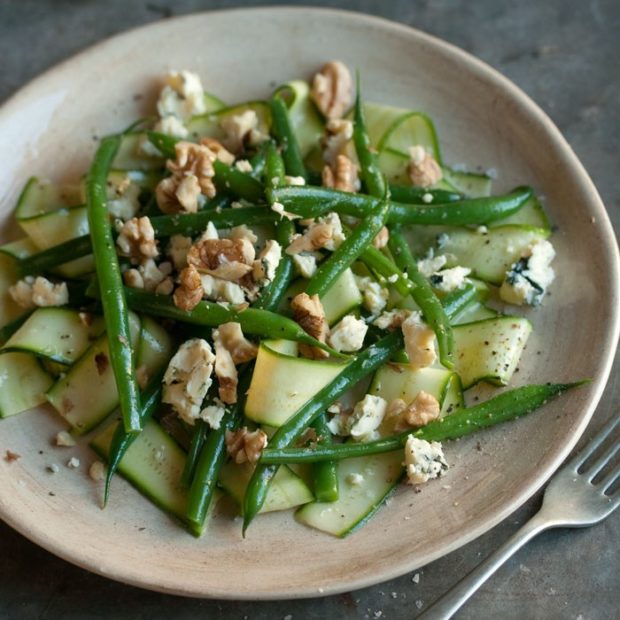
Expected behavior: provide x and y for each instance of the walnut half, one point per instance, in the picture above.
(245, 446)
(332, 89)
(308, 312)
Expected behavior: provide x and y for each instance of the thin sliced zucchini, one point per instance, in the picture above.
(531, 213)
(9, 310)
(213, 103)
(488, 255)
(156, 346)
(153, 464)
(341, 299)
(357, 503)
(282, 384)
(39, 197)
(22, 248)
(87, 394)
(56, 227)
(209, 125)
(23, 383)
(130, 155)
(411, 129)
(475, 311)
(472, 184)
(287, 490)
(284, 347)
(57, 334)
(489, 350)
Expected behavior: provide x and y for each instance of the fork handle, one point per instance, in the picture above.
(452, 601)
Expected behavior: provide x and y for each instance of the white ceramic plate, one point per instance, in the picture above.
(48, 128)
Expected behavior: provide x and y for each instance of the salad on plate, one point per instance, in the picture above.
(282, 301)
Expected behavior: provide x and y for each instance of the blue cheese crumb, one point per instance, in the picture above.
(424, 460)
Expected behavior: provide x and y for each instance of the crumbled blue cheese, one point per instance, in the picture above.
(171, 126)
(305, 264)
(527, 280)
(278, 207)
(448, 280)
(182, 96)
(73, 462)
(217, 289)
(348, 334)
(367, 417)
(297, 181)
(212, 415)
(241, 129)
(265, 266)
(424, 460)
(419, 341)
(97, 471)
(123, 198)
(374, 296)
(431, 264)
(355, 479)
(188, 378)
(427, 198)
(390, 319)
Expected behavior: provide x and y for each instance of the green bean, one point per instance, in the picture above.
(212, 457)
(164, 143)
(507, 406)
(349, 250)
(56, 255)
(111, 284)
(257, 161)
(324, 474)
(230, 180)
(198, 439)
(425, 298)
(210, 314)
(121, 440)
(454, 303)
(273, 293)
(381, 264)
(367, 156)
(411, 194)
(365, 363)
(284, 134)
(311, 201)
(274, 169)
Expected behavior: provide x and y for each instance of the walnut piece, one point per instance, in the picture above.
(423, 169)
(423, 409)
(419, 341)
(31, 292)
(227, 259)
(188, 295)
(225, 371)
(245, 446)
(308, 312)
(342, 176)
(338, 132)
(136, 239)
(332, 89)
(241, 349)
(315, 238)
(382, 238)
(221, 152)
(188, 378)
(192, 175)
(241, 129)
(151, 277)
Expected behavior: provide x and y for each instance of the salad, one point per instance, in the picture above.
(282, 300)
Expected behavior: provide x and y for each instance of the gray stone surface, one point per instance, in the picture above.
(565, 54)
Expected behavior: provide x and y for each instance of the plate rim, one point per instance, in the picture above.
(487, 73)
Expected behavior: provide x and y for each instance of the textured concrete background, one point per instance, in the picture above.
(565, 54)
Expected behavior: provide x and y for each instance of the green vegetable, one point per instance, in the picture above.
(210, 314)
(201, 429)
(241, 185)
(502, 408)
(212, 457)
(121, 440)
(111, 284)
(324, 474)
(365, 363)
(349, 250)
(425, 298)
(284, 134)
(369, 161)
(411, 194)
(312, 201)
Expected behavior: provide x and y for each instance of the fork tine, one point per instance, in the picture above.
(600, 463)
(595, 442)
(609, 479)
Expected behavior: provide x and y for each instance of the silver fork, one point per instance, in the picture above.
(571, 500)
